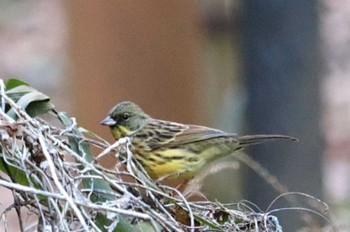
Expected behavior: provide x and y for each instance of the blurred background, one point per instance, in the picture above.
(252, 66)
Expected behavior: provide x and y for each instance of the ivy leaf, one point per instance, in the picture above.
(34, 102)
(12, 83)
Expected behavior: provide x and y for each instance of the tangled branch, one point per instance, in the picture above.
(52, 173)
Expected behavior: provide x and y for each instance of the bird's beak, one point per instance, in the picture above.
(108, 121)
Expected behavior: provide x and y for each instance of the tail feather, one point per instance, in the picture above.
(247, 140)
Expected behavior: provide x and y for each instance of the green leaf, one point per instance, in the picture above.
(34, 102)
(16, 175)
(19, 91)
(83, 149)
(12, 83)
(123, 226)
(145, 226)
(37, 108)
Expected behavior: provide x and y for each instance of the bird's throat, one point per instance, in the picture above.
(120, 131)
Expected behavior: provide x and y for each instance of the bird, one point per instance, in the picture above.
(174, 150)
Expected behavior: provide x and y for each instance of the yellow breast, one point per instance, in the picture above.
(120, 131)
(172, 163)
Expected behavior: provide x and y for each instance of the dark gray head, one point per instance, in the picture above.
(125, 118)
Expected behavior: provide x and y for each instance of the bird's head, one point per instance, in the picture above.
(124, 119)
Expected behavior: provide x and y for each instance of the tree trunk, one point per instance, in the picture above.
(282, 58)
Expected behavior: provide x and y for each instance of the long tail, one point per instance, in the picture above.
(247, 140)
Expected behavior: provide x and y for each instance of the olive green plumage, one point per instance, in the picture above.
(173, 149)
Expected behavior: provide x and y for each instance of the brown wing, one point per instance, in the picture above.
(198, 133)
(171, 134)
(158, 134)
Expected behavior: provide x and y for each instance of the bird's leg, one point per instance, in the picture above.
(179, 186)
(182, 184)
(167, 177)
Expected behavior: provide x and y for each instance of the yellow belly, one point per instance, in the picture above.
(178, 163)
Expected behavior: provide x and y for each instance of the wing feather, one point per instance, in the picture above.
(160, 134)
(176, 134)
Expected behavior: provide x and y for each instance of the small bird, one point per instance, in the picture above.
(174, 150)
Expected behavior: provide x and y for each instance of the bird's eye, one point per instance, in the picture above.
(125, 116)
